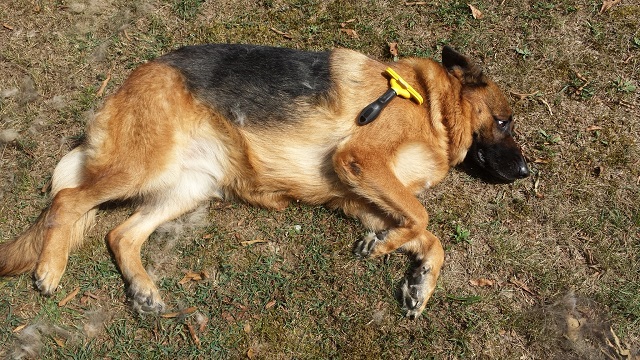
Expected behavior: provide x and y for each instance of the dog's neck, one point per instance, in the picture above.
(459, 123)
(452, 122)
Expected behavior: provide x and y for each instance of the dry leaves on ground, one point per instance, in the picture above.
(481, 282)
(475, 12)
(351, 32)
(608, 4)
(193, 276)
(393, 50)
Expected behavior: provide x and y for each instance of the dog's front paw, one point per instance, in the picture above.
(145, 300)
(364, 247)
(415, 291)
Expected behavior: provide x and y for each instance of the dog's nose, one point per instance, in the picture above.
(523, 171)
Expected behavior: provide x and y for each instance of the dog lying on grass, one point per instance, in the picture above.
(270, 126)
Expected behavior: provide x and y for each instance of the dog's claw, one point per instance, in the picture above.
(364, 247)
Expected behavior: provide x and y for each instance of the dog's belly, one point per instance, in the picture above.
(296, 165)
(302, 173)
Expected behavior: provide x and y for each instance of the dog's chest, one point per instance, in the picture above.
(418, 167)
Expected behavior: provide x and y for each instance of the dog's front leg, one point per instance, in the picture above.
(375, 182)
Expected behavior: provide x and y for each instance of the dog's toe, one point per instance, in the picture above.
(46, 279)
(145, 300)
(414, 291)
(147, 305)
(364, 247)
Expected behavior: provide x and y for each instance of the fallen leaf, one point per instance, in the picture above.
(7, 26)
(411, 3)
(547, 105)
(522, 96)
(182, 312)
(536, 187)
(86, 296)
(623, 352)
(481, 282)
(285, 35)
(193, 334)
(393, 49)
(522, 286)
(477, 14)
(247, 328)
(608, 4)
(270, 304)
(126, 35)
(68, 298)
(91, 295)
(207, 236)
(251, 242)
(594, 128)
(251, 353)
(541, 161)
(351, 32)
(579, 76)
(343, 24)
(104, 84)
(227, 316)
(19, 328)
(193, 276)
(59, 341)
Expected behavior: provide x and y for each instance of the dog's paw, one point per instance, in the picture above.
(145, 300)
(414, 291)
(364, 247)
(47, 278)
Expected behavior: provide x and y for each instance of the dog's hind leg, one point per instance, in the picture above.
(22, 254)
(126, 240)
(69, 206)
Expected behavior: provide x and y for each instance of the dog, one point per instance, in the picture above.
(269, 126)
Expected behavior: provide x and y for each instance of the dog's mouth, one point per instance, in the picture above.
(480, 158)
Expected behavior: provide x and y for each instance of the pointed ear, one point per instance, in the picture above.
(460, 67)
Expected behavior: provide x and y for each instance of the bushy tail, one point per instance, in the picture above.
(21, 254)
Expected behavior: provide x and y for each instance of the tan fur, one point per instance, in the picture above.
(154, 141)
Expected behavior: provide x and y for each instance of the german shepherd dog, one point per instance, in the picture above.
(270, 126)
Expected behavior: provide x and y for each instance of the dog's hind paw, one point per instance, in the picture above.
(145, 301)
(415, 291)
(47, 279)
(364, 247)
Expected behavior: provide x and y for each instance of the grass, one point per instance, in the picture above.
(561, 244)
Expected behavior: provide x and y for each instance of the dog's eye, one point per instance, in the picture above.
(502, 124)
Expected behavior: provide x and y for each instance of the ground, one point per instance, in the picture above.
(544, 268)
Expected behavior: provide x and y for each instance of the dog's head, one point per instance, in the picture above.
(493, 147)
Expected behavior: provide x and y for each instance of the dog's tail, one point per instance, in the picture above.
(21, 254)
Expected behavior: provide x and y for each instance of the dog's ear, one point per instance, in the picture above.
(460, 67)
